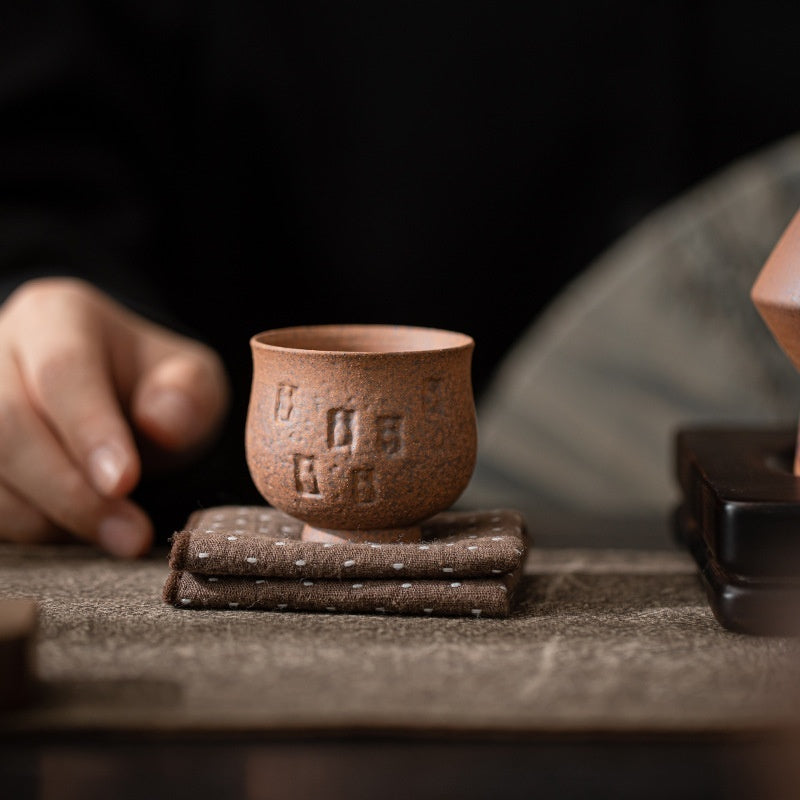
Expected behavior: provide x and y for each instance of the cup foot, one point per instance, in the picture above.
(382, 535)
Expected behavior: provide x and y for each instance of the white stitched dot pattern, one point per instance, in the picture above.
(453, 530)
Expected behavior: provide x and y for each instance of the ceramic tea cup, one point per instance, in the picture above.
(361, 431)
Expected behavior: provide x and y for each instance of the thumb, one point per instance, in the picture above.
(181, 399)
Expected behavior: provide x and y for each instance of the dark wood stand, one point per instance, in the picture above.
(740, 519)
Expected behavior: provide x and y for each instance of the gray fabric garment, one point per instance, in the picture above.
(658, 333)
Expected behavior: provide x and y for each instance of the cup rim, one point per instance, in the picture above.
(450, 340)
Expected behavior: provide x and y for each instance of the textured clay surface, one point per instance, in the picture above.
(359, 427)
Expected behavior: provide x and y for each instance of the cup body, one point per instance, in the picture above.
(358, 427)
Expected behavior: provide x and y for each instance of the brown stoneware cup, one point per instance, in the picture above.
(361, 431)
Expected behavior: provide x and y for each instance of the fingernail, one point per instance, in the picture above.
(174, 413)
(121, 535)
(106, 465)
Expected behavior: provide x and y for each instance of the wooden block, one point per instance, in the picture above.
(762, 607)
(18, 623)
(739, 489)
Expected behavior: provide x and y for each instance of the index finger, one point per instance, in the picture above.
(67, 373)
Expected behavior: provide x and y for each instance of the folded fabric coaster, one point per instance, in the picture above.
(251, 540)
(478, 597)
(467, 563)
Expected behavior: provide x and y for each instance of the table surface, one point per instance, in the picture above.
(605, 644)
(616, 640)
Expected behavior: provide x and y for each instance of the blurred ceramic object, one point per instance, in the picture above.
(776, 295)
(361, 431)
(776, 292)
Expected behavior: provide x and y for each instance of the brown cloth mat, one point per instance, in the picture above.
(253, 540)
(250, 557)
(477, 597)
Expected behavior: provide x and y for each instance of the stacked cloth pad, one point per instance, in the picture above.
(251, 557)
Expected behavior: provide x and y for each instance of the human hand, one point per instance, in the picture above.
(80, 377)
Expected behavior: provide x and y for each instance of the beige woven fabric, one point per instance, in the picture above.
(468, 563)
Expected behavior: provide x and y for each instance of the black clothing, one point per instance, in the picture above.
(232, 166)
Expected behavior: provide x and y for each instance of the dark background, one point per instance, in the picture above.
(237, 166)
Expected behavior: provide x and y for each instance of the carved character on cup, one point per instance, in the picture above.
(363, 484)
(432, 394)
(305, 478)
(340, 427)
(283, 401)
(390, 433)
